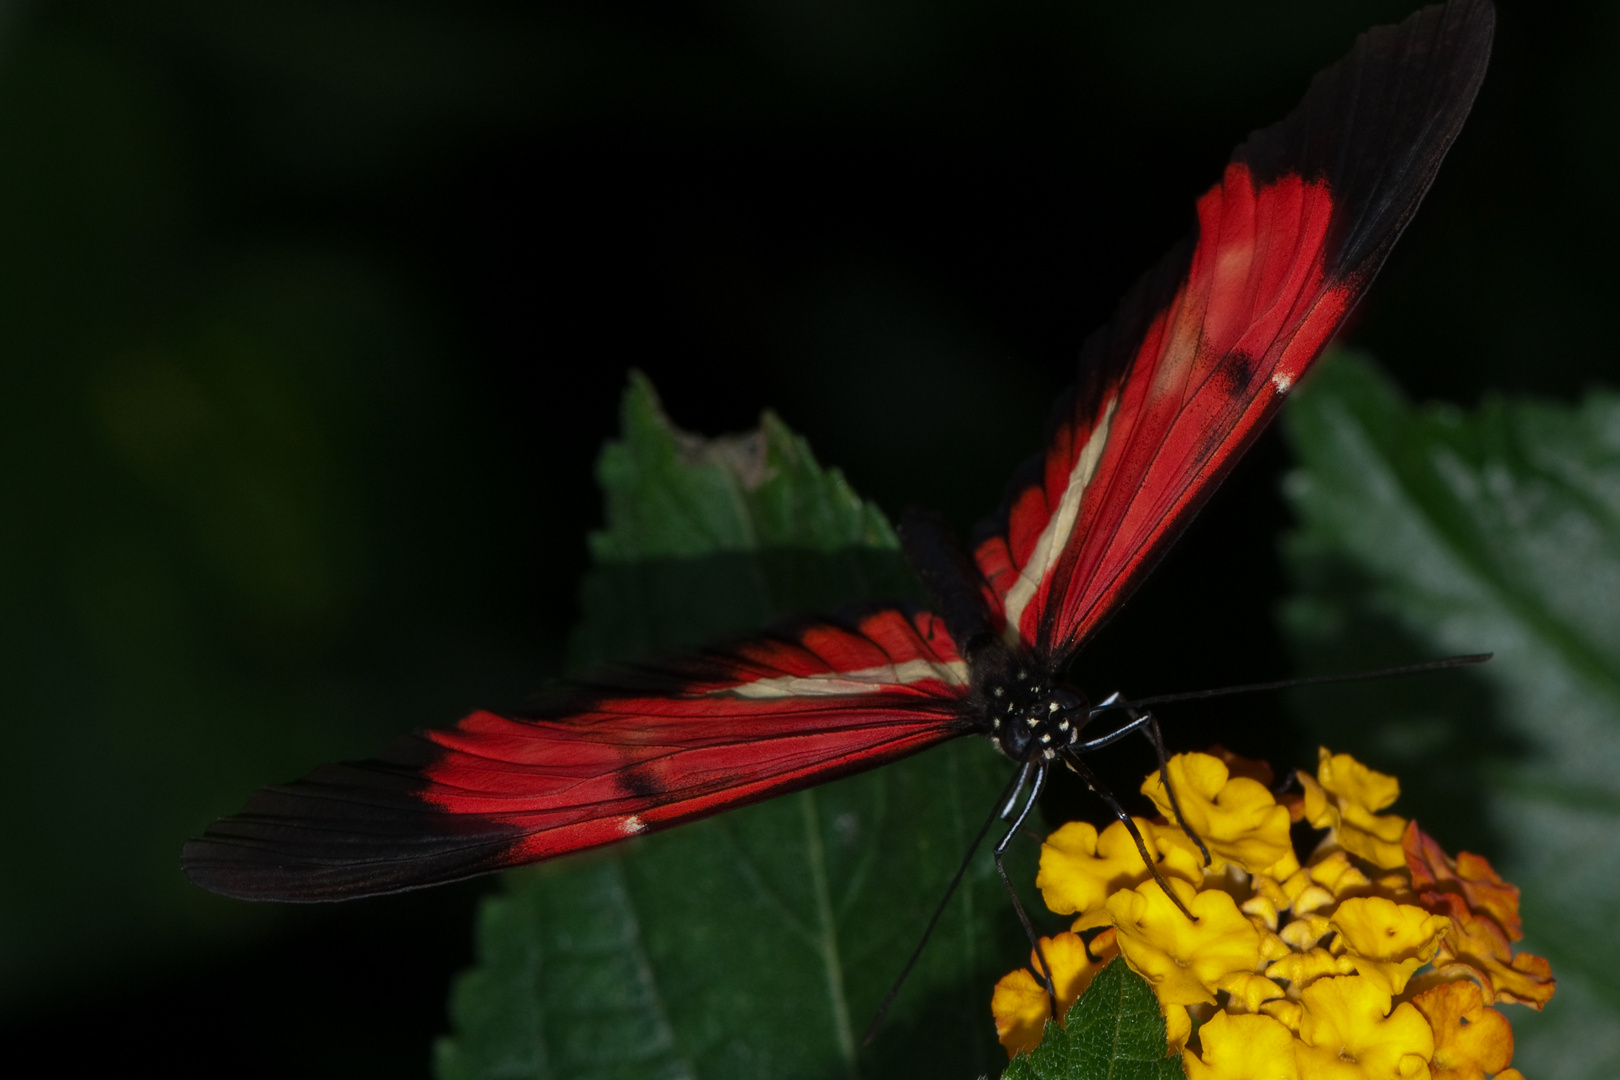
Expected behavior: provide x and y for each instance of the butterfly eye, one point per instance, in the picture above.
(1016, 740)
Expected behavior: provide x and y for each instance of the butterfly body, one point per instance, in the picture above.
(1040, 717)
(1199, 356)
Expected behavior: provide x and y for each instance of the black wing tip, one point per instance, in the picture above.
(269, 874)
(1377, 124)
(246, 872)
(295, 863)
(1402, 83)
(345, 832)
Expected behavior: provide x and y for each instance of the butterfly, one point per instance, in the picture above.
(1199, 356)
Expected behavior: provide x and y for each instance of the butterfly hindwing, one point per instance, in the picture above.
(637, 750)
(1205, 348)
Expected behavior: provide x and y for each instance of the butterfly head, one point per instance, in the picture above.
(1032, 716)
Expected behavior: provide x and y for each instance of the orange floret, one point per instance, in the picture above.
(1479, 949)
(1468, 876)
(1471, 1041)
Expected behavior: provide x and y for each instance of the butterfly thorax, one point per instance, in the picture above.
(1028, 713)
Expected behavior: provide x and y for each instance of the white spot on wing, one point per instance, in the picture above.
(863, 681)
(1282, 382)
(632, 825)
(1055, 537)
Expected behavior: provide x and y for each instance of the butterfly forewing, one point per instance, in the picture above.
(1201, 354)
(638, 750)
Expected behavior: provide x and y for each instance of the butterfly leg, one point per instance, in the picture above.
(1137, 724)
(1039, 769)
(1083, 770)
(1148, 725)
(1017, 790)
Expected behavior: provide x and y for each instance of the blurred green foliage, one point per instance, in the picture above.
(186, 542)
(1436, 531)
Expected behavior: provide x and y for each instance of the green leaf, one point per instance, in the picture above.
(672, 494)
(555, 988)
(709, 537)
(1114, 1032)
(1437, 530)
(758, 943)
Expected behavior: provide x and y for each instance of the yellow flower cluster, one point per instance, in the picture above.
(1376, 960)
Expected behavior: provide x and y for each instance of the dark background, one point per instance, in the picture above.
(314, 316)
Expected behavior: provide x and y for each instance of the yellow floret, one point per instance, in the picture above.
(1177, 1028)
(1252, 1047)
(1386, 941)
(1303, 968)
(1338, 875)
(1020, 1003)
(1285, 1011)
(1348, 1032)
(1080, 867)
(1345, 796)
(1304, 932)
(1237, 818)
(1288, 972)
(1184, 960)
(1354, 783)
(1248, 991)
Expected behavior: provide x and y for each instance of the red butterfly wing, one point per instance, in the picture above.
(1203, 351)
(652, 747)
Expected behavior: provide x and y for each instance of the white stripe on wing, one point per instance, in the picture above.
(863, 681)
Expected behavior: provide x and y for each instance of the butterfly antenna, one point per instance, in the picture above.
(950, 890)
(1289, 684)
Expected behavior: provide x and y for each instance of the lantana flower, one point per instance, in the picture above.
(1378, 958)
